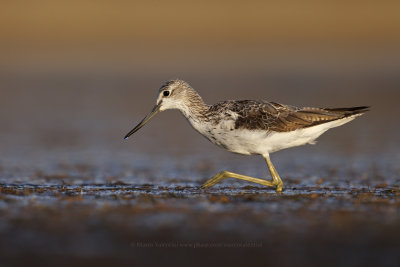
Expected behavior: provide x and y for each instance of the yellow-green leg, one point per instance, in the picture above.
(276, 180)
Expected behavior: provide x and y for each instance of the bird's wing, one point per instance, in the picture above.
(283, 118)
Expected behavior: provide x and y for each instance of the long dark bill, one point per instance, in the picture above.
(153, 112)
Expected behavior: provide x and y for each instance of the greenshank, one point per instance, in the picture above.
(249, 127)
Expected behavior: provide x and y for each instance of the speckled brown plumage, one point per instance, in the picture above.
(263, 115)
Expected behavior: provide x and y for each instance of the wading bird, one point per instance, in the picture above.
(249, 127)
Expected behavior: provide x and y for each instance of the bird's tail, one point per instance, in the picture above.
(348, 112)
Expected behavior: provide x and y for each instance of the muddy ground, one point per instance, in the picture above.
(119, 223)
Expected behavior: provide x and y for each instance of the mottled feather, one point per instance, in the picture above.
(263, 115)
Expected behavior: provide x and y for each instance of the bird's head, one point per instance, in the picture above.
(173, 94)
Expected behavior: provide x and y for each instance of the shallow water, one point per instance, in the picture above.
(123, 209)
(115, 221)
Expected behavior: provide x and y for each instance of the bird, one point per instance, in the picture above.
(249, 127)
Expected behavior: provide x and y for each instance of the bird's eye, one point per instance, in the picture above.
(166, 93)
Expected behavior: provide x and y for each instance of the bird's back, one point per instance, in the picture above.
(271, 116)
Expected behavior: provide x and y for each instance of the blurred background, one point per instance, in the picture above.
(76, 76)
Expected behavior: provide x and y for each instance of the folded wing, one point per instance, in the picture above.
(283, 118)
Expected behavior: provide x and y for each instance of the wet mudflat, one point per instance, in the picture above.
(331, 222)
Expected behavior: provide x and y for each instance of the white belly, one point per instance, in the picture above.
(261, 142)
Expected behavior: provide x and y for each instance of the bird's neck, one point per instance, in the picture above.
(194, 108)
